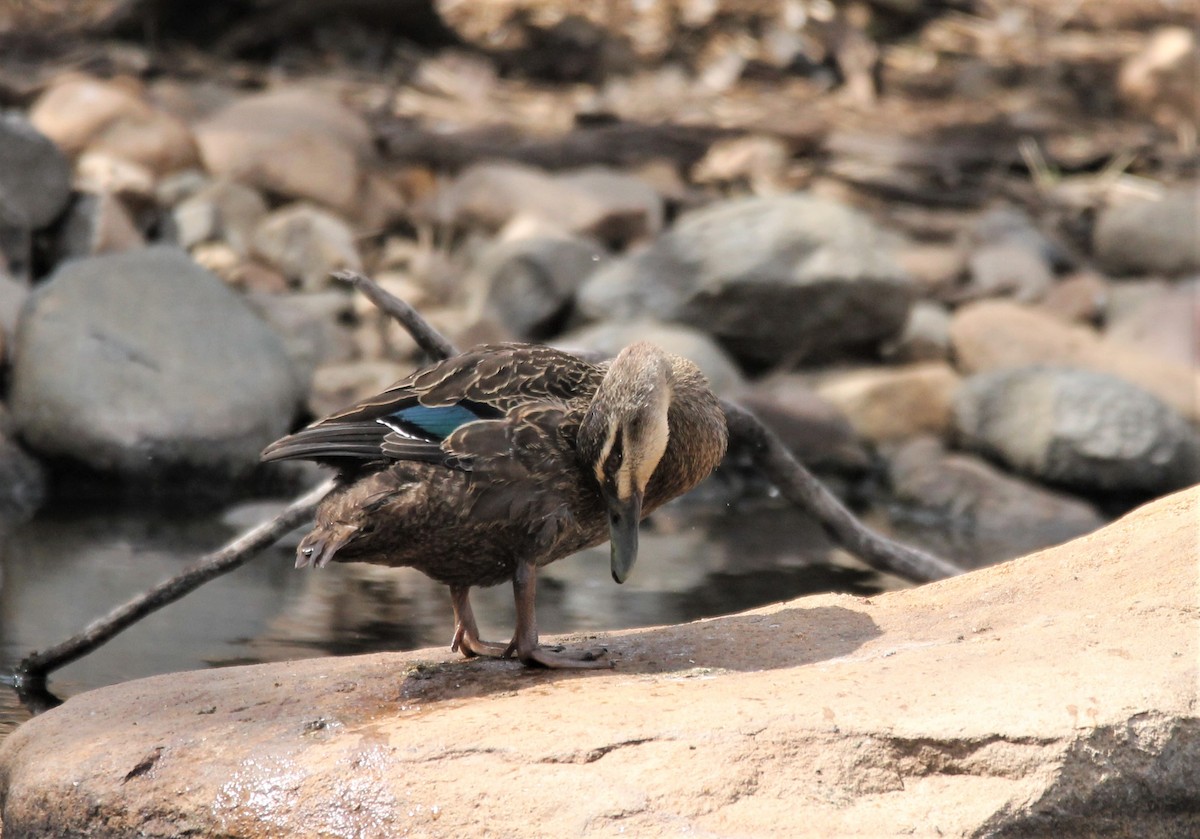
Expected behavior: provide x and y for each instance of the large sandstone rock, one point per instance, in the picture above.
(1053, 695)
(775, 279)
(145, 365)
(1085, 430)
(997, 334)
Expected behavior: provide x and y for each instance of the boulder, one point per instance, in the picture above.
(312, 326)
(812, 428)
(1159, 80)
(605, 340)
(22, 481)
(293, 142)
(97, 172)
(1090, 431)
(596, 201)
(1052, 695)
(223, 210)
(997, 334)
(146, 366)
(1080, 298)
(775, 279)
(98, 223)
(1163, 324)
(894, 403)
(531, 282)
(13, 295)
(1008, 225)
(35, 177)
(925, 337)
(1151, 236)
(1009, 269)
(112, 117)
(307, 244)
(982, 514)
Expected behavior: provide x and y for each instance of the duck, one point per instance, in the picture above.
(487, 466)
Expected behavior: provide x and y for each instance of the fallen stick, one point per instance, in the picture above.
(805, 490)
(29, 676)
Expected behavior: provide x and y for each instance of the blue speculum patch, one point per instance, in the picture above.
(439, 422)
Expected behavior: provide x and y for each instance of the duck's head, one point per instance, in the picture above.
(623, 437)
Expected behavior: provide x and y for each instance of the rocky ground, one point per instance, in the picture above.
(948, 251)
(960, 245)
(1023, 700)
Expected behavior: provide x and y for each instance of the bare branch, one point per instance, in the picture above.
(803, 489)
(431, 342)
(31, 673)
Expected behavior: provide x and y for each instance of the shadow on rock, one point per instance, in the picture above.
(791, 637)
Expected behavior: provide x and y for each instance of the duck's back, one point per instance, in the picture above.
(459, 468)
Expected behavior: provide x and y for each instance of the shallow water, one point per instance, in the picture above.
(62, 571)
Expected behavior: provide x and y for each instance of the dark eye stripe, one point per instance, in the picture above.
(615, 455)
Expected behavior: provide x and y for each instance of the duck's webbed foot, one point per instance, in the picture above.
(525, 640)
(466, 632)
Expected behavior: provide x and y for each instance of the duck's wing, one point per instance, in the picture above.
(416, 418)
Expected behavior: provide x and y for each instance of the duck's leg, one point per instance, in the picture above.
(525, 639)
(466, 632)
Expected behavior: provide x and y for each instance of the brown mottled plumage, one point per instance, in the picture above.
(483, 467)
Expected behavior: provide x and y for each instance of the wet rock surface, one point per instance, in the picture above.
(1048, 717)
(145, 365)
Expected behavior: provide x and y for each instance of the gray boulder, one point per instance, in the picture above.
(813, 428)
(775, 279)
(35, 177)
(605, 340)
(1089, 431)
(1151, 236)
(145, 365)
(22, 481)
(531, 282)
(983, 514)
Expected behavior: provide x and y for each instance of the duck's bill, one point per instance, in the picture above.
(623, 519)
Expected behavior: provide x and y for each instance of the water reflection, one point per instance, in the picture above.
(60, 572)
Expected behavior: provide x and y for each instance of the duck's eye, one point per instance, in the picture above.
(616, 455)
